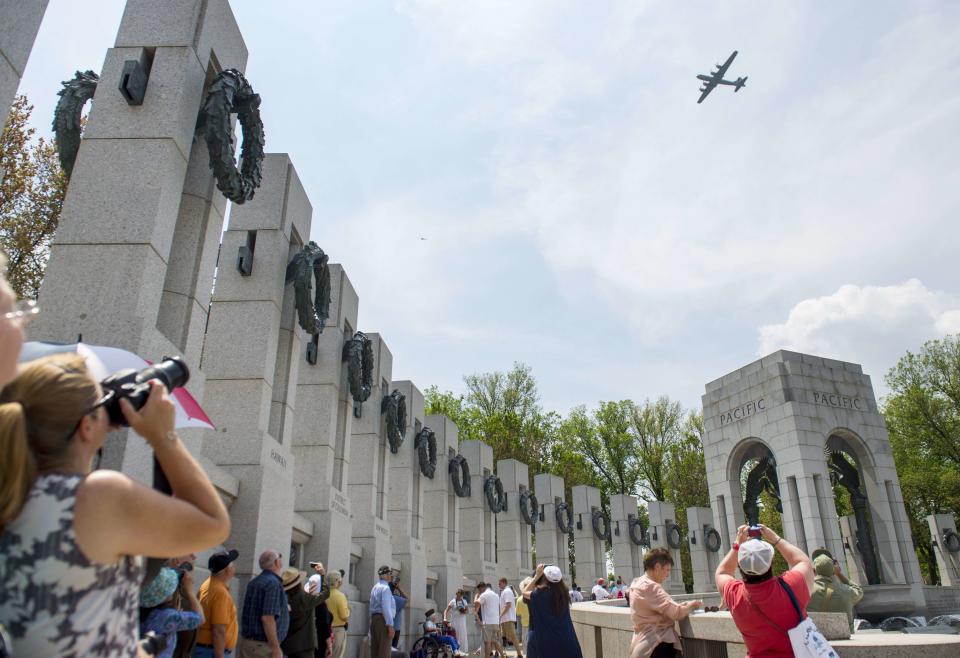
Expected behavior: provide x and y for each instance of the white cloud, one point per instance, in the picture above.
(872, 325)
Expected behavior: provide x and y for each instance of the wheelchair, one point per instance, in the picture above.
(429, 645)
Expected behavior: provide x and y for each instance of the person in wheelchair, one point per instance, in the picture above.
(430, 629)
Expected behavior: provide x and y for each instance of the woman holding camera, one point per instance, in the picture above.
(456, 614)
(69, 578)
(551, 633)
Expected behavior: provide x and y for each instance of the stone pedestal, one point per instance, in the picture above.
(441, 516)
(703, 560)
(252, 356)
(321, 435)
(369, 482)
(478, 531)
(942, 529)
(664, 530)
(18, 30)
(588, 550)
(552, 544)
(627, 555)
(405, 513)
(794, 406)
(513, 533)
(851, 552)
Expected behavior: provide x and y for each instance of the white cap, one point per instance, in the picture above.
(553, 573)
(755, 557)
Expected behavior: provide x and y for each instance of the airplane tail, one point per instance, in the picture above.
(741, 83)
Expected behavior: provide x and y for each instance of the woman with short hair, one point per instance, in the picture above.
(551, 633)
(653, 610)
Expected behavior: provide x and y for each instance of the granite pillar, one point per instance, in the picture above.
(942, 526)
(589, 551)
(513, 533)
(405, 512)
(441, 516)
(703, 560)
(664, 529)
(552, 544)
(477, 523)
(18, 30)
(252, 355)
(627, 556)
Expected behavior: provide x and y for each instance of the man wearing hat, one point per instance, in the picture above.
(217, 636)
(599, 591)
(760, 604)
(301, 639)
(382, 611)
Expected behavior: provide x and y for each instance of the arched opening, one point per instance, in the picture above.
(846, 459)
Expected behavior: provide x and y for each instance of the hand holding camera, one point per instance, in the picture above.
(155, 419)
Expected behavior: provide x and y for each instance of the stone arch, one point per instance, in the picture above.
(763, 476)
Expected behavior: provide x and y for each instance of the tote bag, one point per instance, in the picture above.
(806, 640)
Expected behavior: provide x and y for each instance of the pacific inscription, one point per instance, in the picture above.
(743, 411)
(839, 401)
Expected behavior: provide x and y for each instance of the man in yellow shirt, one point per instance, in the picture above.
(217, 636)
(340, 610)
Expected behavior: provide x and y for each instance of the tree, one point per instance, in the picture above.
(686, 483)
(923, 419)
(31, 197)
(607, 445)
(658, 427)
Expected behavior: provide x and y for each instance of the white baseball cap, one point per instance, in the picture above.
(553, 573)
(755, 557)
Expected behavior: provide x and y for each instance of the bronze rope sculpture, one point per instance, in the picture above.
(310, 262)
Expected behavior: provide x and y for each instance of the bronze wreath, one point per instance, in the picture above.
(460, 476)
(674, 536)
(634, 523)
(564, 516)
(395, 407)
(496, 498)
(426, 445)
(601, 525)
(312, 315)
(711, 539)
(358, 353)
(66, 117)
(951, 541)
(529, 507)
(230, 93)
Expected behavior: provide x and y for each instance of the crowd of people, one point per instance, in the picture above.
(73, 541)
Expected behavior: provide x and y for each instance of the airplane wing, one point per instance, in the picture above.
(722, 69)
(707, 88)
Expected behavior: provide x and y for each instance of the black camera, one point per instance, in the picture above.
(134, 385)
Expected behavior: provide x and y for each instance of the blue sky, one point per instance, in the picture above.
(582, 213)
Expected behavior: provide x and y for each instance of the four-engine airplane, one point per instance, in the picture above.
(716, 78)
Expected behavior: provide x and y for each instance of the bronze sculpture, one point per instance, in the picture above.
(312, 315)
(67, 116)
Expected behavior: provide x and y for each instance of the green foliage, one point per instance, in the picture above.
(31, 197)
(923, 419)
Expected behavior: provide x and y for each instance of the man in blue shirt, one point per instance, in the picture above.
(266, 615)
(382, 611)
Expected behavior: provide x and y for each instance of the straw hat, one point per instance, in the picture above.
(291, 578)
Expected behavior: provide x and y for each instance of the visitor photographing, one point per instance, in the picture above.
(487, 606)
(831, 596)
(508, 617)
(159, 609)
(551, 633)
(760, 604)
(265, 618)
(382, 612)
(69, 537)
(301, 640)
(217, 635)
(654, 612)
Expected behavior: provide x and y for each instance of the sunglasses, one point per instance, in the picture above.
(26, 310)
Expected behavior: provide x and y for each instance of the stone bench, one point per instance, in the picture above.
(605, 631)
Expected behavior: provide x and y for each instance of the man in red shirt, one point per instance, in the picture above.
(759, 604)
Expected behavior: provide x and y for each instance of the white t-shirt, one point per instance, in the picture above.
(507, 596)
(489, 607)
(599, 593)
(576, 596)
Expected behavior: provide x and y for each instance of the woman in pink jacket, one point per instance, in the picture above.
(654, 612)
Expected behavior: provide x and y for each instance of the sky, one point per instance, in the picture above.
(581, 212)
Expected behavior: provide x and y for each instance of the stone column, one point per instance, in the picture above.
(18, 31)
(588, 550)
(948, 562)
(369, 476)
(441, 516)
(477, 524)
(703, 560)
(405, 512)
(252, 355)
(627, 556)
(321, 435)
(663, 519)
(552, 544)
(513, 533)
(142, 199)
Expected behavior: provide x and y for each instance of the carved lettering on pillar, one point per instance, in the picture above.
(339, 504)
(743, 411)
(839, 401)
(280, 459)
(382, 530)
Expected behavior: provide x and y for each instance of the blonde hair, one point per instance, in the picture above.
(39, 414)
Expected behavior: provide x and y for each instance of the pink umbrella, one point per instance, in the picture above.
(104, 361)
